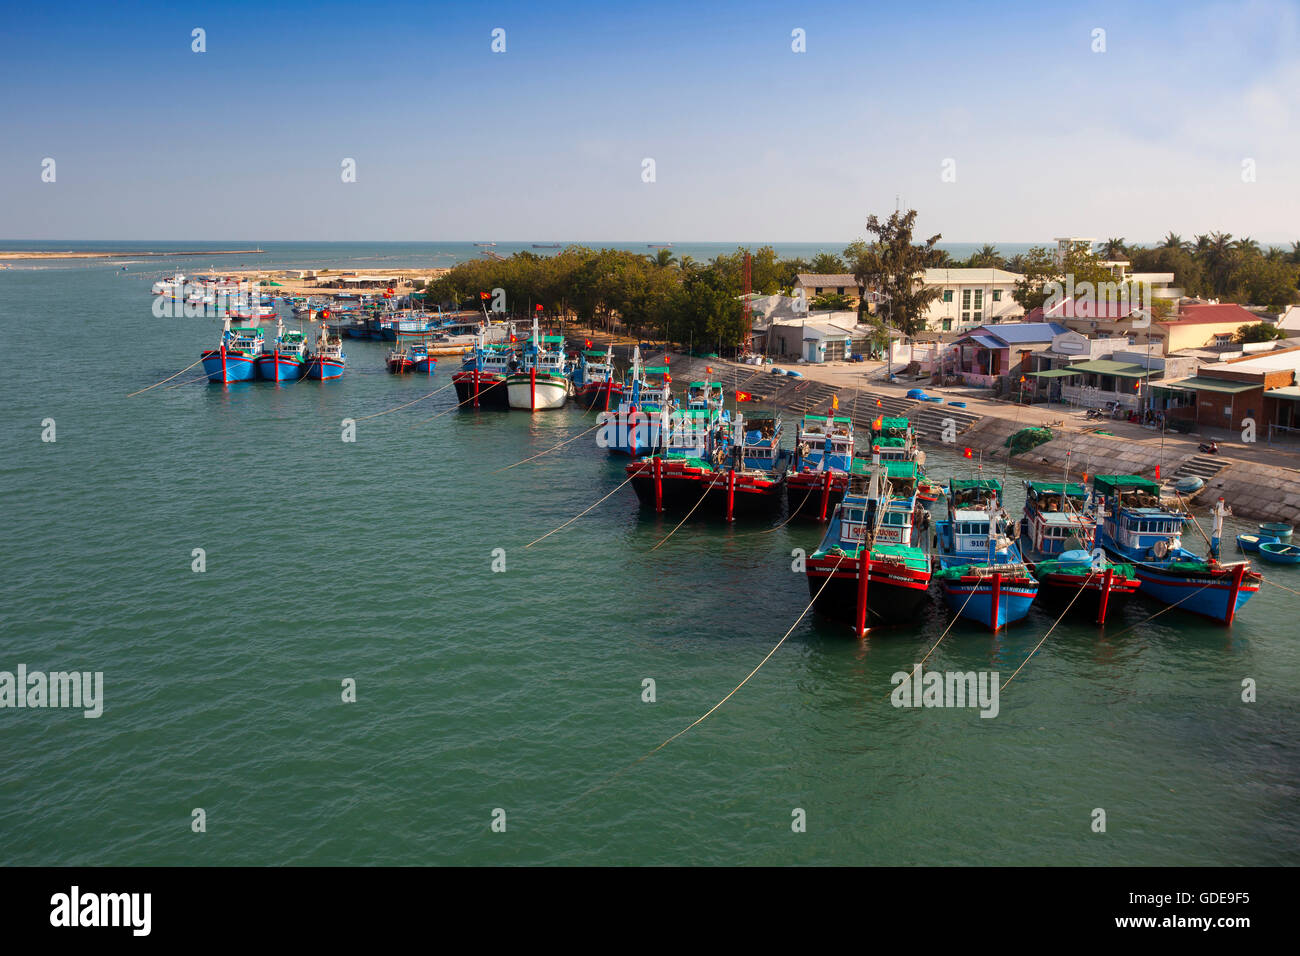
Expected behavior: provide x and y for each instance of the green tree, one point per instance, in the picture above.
(894, 265)
(1041, 270)
(827, 263)
(830, 302)
(986, 257)
(1259, 332)
(1260, 281)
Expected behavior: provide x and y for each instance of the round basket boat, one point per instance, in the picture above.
(1276, 530)
(1191, 483)
(1276, 552)
(1250, 543)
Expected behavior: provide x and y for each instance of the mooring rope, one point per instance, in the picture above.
(448, 411)
(578, 515)
(688, 514)
(1082, 587)
(551, 449)
(699, 720)
(167, 379)
(406, 405)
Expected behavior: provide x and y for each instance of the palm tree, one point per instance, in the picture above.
(687, 263)
(663, 258)
(1247, 246)
(1275, 254)
(1113, 248)
(1294, 255)
(1173, 240)
(1016, 263)
(1220, 254)
(986, 257)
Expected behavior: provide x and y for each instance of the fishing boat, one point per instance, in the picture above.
(823, 458)
(855, 576)
(1276, 552)
(285, 360)
(481, 381)
(328, 361)
(425, 364)
(894, 439)
(717, 484)
(1135, 526)
(235, 359)
(172, 287)
(981, 572)
(761, 444)
(595, 384)
(1250, 543)
(1056, 539)
(541, 381)
(637, 424)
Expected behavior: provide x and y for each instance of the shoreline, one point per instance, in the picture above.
(74, 254)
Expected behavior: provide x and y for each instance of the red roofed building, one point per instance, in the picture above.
(1202, 326)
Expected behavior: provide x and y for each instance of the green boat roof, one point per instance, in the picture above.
(837, 420)
(975, 484)
(1107, 484)
(553, 339)
(888, 441)
(892, 469)
(891, 424)
(911, 557)
(1057, 564)
(595, 355)
(656, 369)
(1057, 487)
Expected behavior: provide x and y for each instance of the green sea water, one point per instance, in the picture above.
(522, 690)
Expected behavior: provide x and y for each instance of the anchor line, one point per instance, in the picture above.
(167, 379)
(699, 720)
(407, 404)
(1052, 628)
(551, 449)
(448, 411)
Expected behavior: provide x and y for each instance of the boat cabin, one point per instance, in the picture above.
(970, 493)
(1135, 520)
(761, 442)
(825, 443)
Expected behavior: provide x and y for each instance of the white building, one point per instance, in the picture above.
(969, 298)
(821, 337)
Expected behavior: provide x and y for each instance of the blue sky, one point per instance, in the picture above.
(750, 140)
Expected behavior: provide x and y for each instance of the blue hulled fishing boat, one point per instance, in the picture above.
(235, 359)
(823, 458)
(285, 361)
(1135, 526)
(635, 426)
(328, 361)
(981, 571)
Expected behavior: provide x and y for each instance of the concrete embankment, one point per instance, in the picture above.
(1254, 489)
(1258, 482)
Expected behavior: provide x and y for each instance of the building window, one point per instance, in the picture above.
(972, 305)
(997, 295)
(947, 295)
(947, 325)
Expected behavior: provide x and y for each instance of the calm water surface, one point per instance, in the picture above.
(522, 690)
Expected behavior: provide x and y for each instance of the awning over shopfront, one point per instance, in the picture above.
(1198, 384)
(1111, 367)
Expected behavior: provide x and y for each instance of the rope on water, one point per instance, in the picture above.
(188, 381)
(551, 449)
(578, 515)
(167, 379)
(1276, 585)
(1052, 628)
(699, 720)
(955, 618)
(688, 514)
(448, 411)
(408, 404)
